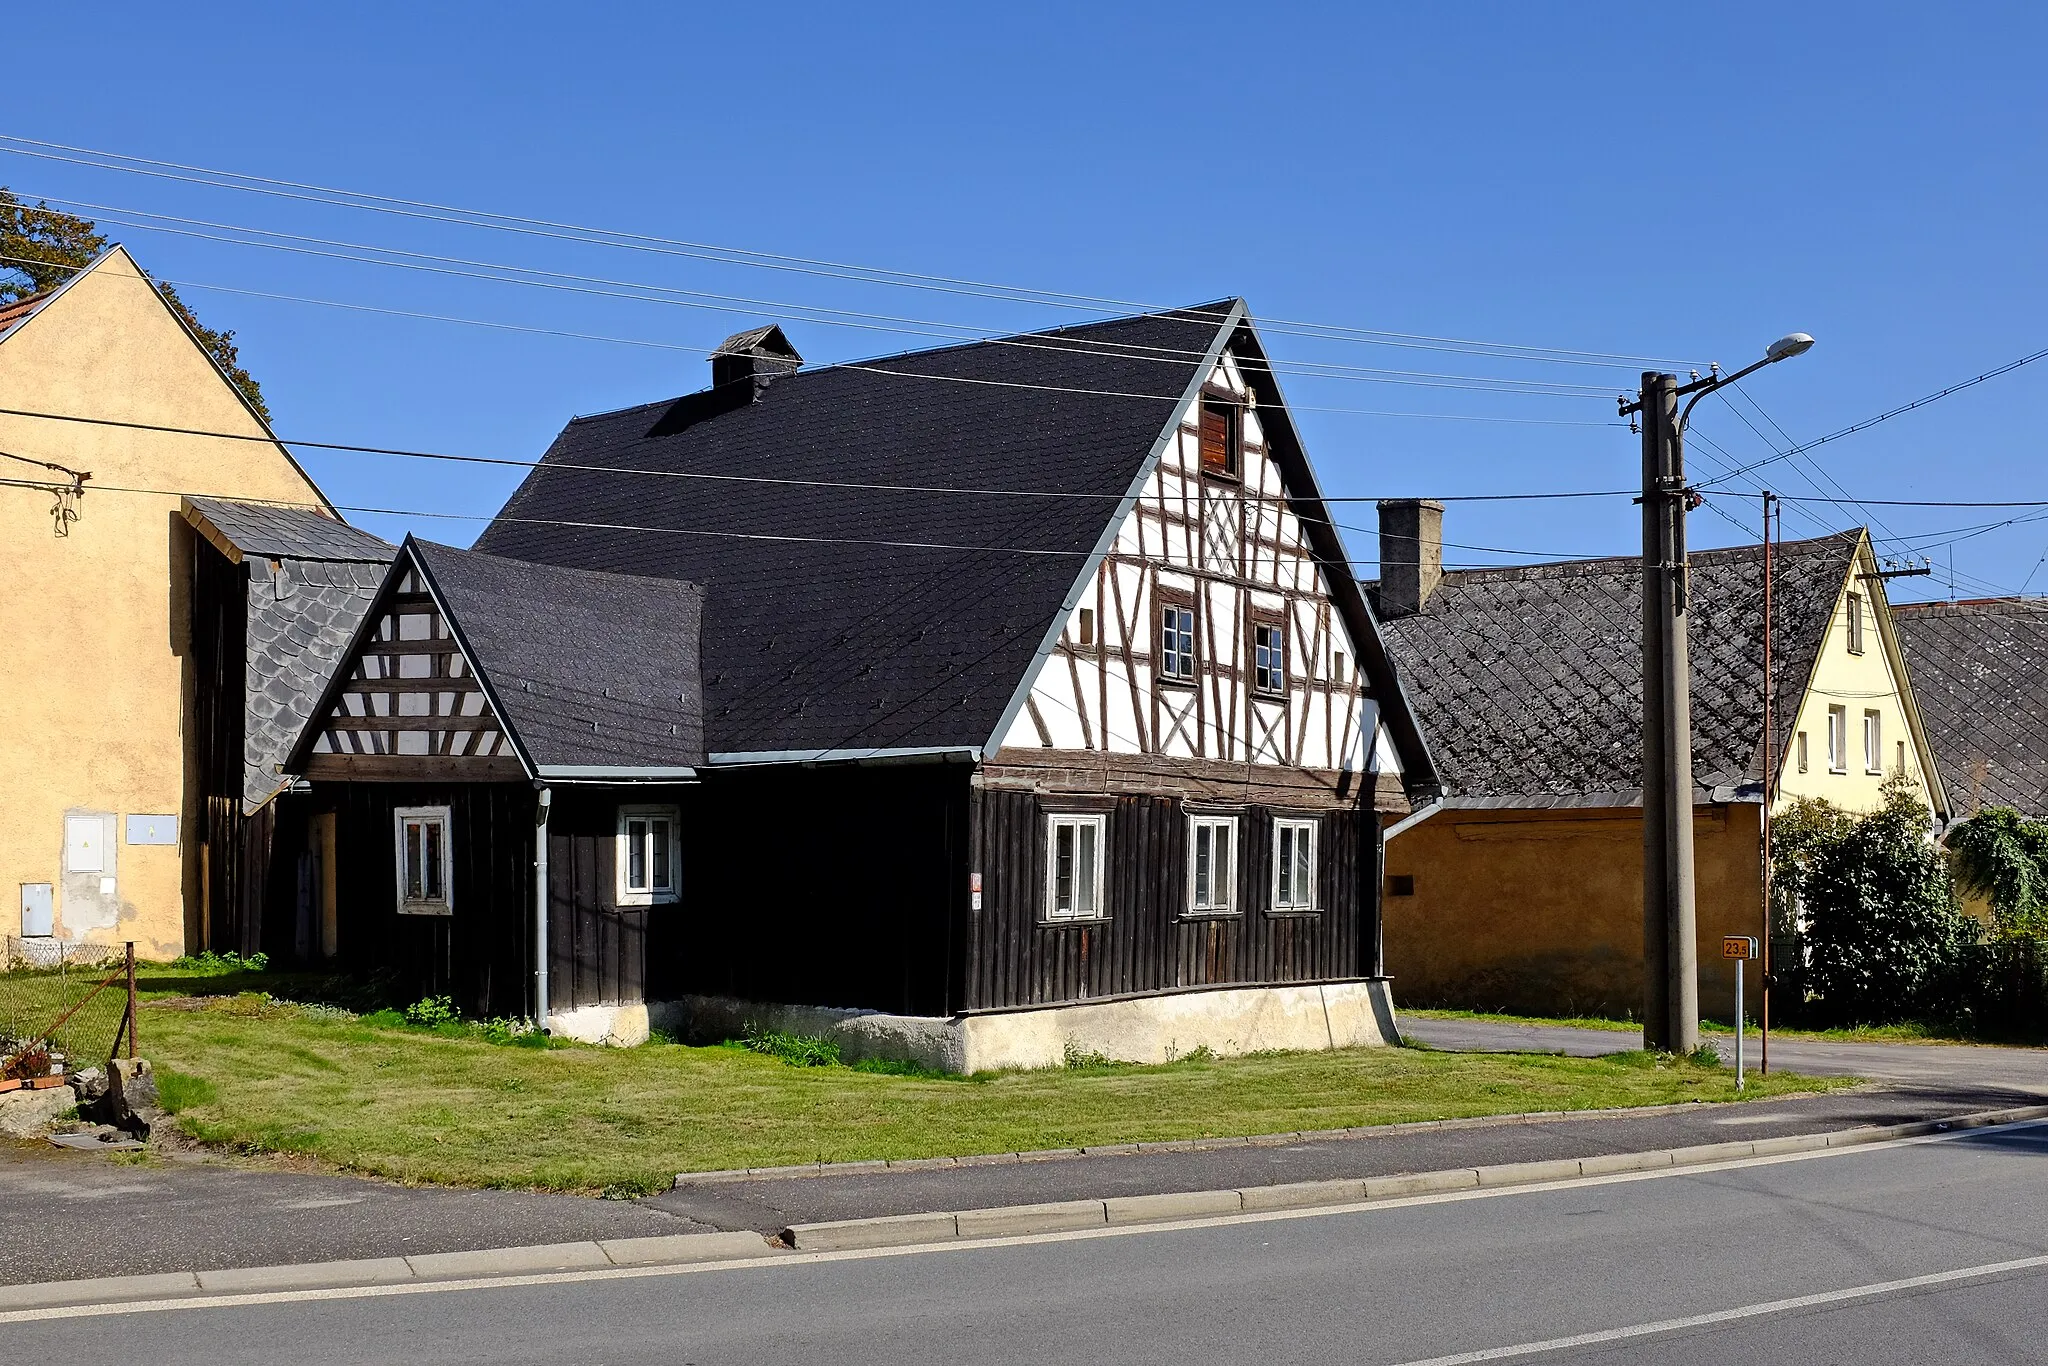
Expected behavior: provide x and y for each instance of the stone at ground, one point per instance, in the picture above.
(131, 1101)
(30, 1114)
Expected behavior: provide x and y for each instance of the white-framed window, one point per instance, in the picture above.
(1873, 742)
(1212, 864)
(1294, 865)
(1176, 642)
(1269, 657)
(1855, 623)
(423, 861)
(649, 855)
(1073, 865)
(1801, 747)
(1838, 739)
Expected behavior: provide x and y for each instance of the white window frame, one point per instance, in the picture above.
(652, 894)
(1802, 751)
(1298, 900)
(1275, 668)
(1855, 623)
(1873, 742)
(1222, 897)
(444, 904)
(1176, 646)
(1096, 822)
(1838, 739)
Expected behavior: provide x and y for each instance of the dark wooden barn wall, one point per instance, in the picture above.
(1014, 958)
(481, 954)
(231, 872)
(597, 950)
(841, 886)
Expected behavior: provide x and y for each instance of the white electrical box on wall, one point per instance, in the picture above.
(85, 844)
(38, 911)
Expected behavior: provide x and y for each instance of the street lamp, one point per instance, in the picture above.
(1671, 993)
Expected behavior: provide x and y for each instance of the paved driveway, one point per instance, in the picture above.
(1911, 1064)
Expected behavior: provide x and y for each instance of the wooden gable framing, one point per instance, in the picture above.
(408, 704)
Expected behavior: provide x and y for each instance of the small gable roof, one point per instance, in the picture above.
(886, 546)
(1977, 670)
(592, 675)
(1528, 679)
(274, 531)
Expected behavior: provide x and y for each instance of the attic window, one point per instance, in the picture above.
(1269, 657)
(1177, 642)
(1085, 626)
(1222, 437)
(1336, 666)
(1855, 623)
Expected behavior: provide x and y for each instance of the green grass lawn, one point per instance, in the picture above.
(1909, 1032)
(258, 1075)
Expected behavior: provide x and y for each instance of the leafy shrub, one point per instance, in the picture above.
(429, 1011)
(2002, 856)
(1866, 929)
(1704, 1055)
(1074, 1057)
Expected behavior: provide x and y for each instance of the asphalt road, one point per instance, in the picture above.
(1634, 1263)
(2015, 1069)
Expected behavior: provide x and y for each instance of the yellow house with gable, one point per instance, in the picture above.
(1523, 891)
(110, 410)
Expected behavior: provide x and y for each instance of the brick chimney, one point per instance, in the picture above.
(1411, 554)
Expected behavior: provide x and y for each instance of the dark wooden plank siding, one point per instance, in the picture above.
(1148, 944)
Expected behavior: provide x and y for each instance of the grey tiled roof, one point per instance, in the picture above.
(1978, 671)
(275, 532)
(589, 668)
(311, 579)
(1529, 679)
(302, 615)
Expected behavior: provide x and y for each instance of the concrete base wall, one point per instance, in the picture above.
(619, 1026)
(1151, 1029)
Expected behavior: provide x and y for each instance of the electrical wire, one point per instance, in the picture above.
(219, 179)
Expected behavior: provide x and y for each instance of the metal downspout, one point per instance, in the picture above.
(540, 912)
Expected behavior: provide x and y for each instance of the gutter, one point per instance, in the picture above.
(1415, 817)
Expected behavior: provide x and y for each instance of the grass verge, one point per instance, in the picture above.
(452, 1105)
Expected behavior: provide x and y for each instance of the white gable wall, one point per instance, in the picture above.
(1235, 552)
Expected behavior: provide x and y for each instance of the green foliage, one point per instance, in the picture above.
(430, 1011)
(2002, 856)
(1704, 1055)
(797, 1050)
(217, 964)
(1865, 929)
(42, 247)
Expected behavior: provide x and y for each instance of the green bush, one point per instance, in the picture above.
(1866, 929)
(429, 1011)
(2002, 856)
(213, 963)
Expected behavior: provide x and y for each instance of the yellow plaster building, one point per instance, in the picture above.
(97, 798)
(1524, 892)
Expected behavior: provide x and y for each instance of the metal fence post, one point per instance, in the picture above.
(131, 1000)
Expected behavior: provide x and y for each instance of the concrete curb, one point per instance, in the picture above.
(674, 1250)
(1064, 1216)
(1184, 1145)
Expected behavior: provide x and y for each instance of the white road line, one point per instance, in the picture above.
(1747, 1311)
(784, 1259)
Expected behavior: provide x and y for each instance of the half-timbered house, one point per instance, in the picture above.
(1039, 709)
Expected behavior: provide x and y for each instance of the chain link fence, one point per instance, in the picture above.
(64, 1000)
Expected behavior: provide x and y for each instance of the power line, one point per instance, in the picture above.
(1886, 416)
(1078, 348)
(299, 190)
(817, 315)
(508, 461)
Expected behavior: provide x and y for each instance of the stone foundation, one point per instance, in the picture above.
(1150, 1029)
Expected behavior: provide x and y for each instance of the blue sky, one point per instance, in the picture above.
(1683, 184)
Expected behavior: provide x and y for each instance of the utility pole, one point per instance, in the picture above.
(1671, 993)
(1769, 795)
(1671, 987)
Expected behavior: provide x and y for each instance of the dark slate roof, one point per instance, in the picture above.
(1528, 679)
(1977, 670)
(910, 618)
(274, 532)
(311, 580)
(588, 669)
